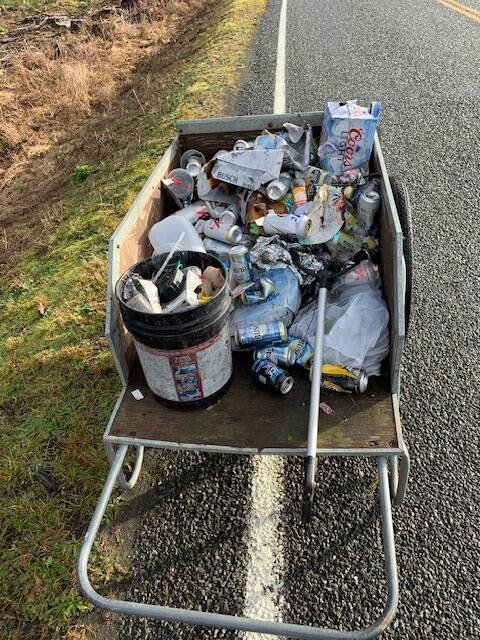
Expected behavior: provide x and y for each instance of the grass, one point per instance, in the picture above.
(57, 383)
(45, 5)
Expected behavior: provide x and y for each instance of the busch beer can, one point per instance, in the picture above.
(282, 354)
(303, 352)
(272, 376)
(260, 335)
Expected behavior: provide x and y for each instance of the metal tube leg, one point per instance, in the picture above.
(122, 482)
(388, 542)
(393, 475)
(311, 457)
(204, 618)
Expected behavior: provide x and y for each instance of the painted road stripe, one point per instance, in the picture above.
(463, 9)
(279, 101)
(263, 592)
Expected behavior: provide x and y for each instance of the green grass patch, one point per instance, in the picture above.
(57, 382)
(81, 173)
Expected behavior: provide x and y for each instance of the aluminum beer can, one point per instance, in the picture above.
(228, 216)
(368, 206)
(217, 230)
(260, 335)
(254, 295)
(219, 249)
(241, 265)
(272, 376)
(278, 189)
(335, 377)
(282, 354)
(192, 161)
(305, 357)
(242, 145)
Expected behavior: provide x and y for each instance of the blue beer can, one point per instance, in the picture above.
(273, 376)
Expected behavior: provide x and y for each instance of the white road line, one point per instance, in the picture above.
(279, 101)
(263, 592)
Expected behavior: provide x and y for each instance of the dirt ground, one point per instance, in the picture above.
(71, 90)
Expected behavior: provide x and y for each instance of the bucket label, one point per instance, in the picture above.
(185, 375)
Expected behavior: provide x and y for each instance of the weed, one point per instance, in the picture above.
(81, 173)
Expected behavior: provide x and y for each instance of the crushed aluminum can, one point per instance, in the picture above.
(228, 216)
(256, 294)
(303, 353)
(314, 179)
(367, 208)
(278, 189)
(288, 225)
(272, 376)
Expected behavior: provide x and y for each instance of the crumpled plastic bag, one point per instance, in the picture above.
(356, 328)
(281, 305)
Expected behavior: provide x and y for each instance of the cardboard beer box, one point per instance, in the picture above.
(347, 136)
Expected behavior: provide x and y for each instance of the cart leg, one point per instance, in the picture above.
(308, 487)
(122, 482)
(393, 476)
(403, 473)
(218, 620)
(311, 457)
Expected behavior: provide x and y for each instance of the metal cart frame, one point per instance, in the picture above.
(393, 463)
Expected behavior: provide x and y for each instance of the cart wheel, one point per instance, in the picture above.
(402, 202)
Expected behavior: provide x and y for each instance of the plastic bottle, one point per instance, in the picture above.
(299, 190)
(164, 235)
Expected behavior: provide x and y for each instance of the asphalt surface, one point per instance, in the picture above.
(421, 61)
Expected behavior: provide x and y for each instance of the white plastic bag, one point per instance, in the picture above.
(356, 329)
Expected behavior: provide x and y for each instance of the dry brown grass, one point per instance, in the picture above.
(58, 98)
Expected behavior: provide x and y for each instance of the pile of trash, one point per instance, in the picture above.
(276, 211)
(175, 285)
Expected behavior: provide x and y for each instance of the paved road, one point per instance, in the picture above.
(421, 61)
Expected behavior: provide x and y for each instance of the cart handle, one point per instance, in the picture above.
(217, 620)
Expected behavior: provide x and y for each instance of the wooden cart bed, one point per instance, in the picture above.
(249, 418)
(250, 414)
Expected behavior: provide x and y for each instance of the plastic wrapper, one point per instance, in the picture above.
(281, 305)
(326, 215)
(347, 136)
(356, 328)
